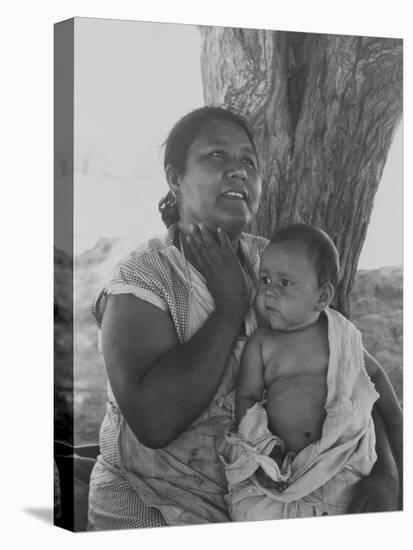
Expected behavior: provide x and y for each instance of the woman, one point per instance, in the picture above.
(173, 321)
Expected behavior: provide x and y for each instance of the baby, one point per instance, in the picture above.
(304, 399)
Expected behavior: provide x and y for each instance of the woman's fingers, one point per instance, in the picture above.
(218, 245)
(197, 238)
(207, 245)
(205, 233)
(208, 238)
(207, 242)
(223, 243)
(195, 250)
(201, 245)
(224, 240)
(203, 249)
(216, 260)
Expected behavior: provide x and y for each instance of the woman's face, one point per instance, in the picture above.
(221, 185)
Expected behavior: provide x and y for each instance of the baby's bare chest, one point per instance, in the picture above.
(305, 356)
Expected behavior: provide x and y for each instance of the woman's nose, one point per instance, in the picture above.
(237, 171)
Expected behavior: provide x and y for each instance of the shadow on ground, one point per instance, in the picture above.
(45, 514)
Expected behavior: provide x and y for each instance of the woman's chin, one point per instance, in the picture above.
(234, 226)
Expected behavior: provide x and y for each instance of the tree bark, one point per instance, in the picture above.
(324, 110)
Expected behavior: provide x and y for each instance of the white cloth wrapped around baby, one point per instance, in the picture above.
(320, 479)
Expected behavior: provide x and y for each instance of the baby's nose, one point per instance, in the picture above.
(270, 292)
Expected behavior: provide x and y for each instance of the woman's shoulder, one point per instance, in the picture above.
(149, 253)
(144, 272)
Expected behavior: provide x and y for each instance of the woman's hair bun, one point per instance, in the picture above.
(169, 209)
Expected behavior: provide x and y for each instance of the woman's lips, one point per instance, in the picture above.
(235, 195)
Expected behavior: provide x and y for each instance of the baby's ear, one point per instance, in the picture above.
(325, 296)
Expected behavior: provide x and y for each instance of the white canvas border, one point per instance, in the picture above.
(27, 268)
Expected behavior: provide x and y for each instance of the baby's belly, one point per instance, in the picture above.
(295, 408)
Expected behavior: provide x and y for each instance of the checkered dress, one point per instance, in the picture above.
(147, 273)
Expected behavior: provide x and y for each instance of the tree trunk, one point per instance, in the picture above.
(324, 109)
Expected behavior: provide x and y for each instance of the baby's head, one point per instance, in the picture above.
(298, 273)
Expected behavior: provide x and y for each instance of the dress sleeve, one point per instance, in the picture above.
(138, 275)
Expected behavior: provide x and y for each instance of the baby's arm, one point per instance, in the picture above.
(251, 379)
(250, 390)
(388, 406)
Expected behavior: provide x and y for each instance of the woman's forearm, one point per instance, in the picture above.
(385, 464)
(379, 491)
(181, 385)
(160, 398)
(390, 412)
(395, 434)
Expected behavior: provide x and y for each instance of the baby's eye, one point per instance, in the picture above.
(265, 280)
(285, 282)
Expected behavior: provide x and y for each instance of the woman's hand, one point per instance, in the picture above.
(218, 263)
(375, 494)
(379, 492)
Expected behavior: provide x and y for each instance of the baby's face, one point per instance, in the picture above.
(288, 293)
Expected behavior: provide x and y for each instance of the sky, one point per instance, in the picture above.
(133, 81)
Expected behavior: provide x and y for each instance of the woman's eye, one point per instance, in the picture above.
(250, 162)
(218, 154)
(285, 282)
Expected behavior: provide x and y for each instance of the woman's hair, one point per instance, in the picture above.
(317, 245)
(179, 140)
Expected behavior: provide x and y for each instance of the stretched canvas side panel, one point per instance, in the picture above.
(63, 274)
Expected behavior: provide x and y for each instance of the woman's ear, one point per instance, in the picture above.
(172, 177)
(325, 297)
